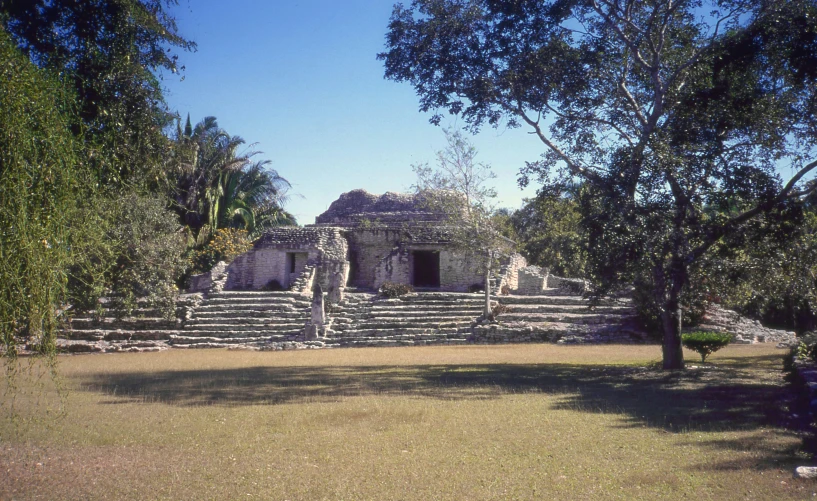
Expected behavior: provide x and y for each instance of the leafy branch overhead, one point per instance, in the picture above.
(677, 114)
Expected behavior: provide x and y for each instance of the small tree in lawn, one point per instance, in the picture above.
(457, 188)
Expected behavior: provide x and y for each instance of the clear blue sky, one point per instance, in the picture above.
(301, 79)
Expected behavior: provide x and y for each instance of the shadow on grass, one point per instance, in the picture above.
(738, 394)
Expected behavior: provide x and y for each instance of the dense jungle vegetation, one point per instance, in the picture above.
(104, 190)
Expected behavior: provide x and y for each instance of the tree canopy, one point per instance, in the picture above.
(111, 53)
(678, 114)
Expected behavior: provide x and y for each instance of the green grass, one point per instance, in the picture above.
(476, 422)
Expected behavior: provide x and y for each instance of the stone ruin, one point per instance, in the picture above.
(315, 287)
(361, 241)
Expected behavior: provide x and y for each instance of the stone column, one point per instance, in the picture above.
(315, 328)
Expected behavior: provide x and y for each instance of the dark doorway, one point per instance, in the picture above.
(354, 268)
(426, 268)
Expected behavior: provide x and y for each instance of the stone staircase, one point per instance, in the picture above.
(146, 329)
(556, 316)
(424, 318)
(274, 319)
(230, 318)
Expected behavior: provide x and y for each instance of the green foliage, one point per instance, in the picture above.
(551, 234)
(149, 253)
(392, 289)
(219, 187)
(705, 342)
(670, 118)
(769, 272)
(807, 347)
(40, 181)
(110, 53)
(226, 245)
(135, 252)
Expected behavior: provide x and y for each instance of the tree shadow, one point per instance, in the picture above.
(730, 396)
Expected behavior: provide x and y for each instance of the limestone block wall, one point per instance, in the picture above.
(394, 267)
(532, 280)
(378, 257)
(458, 271)
(509, 271)
(271, 258)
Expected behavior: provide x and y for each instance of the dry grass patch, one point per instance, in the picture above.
(475, 422)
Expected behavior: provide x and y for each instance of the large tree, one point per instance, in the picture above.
(678, 114)
(111, 53)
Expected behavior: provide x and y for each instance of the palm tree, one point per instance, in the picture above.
(219, 187)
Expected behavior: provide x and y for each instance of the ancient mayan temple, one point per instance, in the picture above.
(361, 241)
(316, 287)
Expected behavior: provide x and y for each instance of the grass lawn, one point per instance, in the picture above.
(472, 422)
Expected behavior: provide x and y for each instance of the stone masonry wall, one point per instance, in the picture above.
(324, 248)
(509, 272)
(532, 280)
(458, 272)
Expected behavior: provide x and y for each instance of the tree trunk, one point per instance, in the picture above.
(487, 313)
(672, 316)
(672, 350)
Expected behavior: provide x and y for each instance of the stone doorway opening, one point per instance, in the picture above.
(295, 264)
(426, 269)
(354, 269)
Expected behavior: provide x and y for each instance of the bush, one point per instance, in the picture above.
(391, 289)
(226, 245)
(273, 285)
(499, 309)
(705, 342)
(505, 290)
(807, 347)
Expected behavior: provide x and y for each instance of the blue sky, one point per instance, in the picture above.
(301, 79)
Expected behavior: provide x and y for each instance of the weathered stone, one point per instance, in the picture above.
(805, 472)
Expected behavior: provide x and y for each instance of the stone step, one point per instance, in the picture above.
(272, 327)
(241, 313)
(122, 323)
(420, 308)
(120, 334)
(228, 320)
(398, 331)
(569, 318)
(410, 315)
(568, 308)
(254, 293)
(251, 307)
(557, 300)
(222, 330)
(396, 323)
(388, 342)
(176, 340)
(252, 301)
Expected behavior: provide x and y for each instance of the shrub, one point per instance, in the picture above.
(391, 289)
(273, 285)
(807, 347)
(505, 290)
(226, 245)
(705, 342)
(499, 309)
